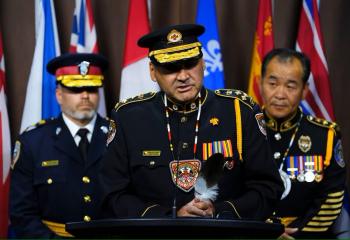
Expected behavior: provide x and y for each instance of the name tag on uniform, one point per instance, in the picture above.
(50, 163)
(151, 153)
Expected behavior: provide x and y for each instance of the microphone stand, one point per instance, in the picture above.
(174, 208)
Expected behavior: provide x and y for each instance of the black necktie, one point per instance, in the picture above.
(84, 143)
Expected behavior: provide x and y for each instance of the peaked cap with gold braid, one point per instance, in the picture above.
(77, 70)
(173, 44)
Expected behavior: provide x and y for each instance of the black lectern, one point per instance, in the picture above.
(174, 228)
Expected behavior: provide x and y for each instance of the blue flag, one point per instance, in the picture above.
(206, 16)
(41, 100)
(50, 107)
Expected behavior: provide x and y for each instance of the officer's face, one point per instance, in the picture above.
(181, 83)
(282, 87)
(78, 104)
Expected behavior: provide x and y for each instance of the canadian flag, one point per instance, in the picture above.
(135, 74)
(5, 150)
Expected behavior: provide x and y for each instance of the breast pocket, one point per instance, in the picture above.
(150, 173)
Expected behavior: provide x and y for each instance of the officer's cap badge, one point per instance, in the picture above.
(304, 143)
(84, 67)
(174, 36)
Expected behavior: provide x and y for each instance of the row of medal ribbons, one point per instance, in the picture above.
(305, 168)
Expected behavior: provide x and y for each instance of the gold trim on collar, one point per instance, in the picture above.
(286, 125)
(177, 108)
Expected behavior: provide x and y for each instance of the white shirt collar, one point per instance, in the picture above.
(73, 127)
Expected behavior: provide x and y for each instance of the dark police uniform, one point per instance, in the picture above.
(316, 169)
(52, 182)
(138, 169)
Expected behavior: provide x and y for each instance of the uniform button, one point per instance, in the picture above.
(49, 181)
(86, 179)
(278, 136)
(185, 145)
(276, 155)
(152, 163)
(183, 119)
(87, 218)
(87, 198)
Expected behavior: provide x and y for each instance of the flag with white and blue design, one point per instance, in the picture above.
(214, 70)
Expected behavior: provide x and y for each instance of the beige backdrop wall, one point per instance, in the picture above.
(236, 18)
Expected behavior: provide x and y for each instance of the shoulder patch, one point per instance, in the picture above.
(112, 130)
(139, 98)
(338, 154)
(323, 123)
(42, 122)
(16, 153)
(234, 93)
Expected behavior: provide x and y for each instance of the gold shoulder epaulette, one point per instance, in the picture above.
(233, 93)
(139, 98)
(323, 123)
(42, 122)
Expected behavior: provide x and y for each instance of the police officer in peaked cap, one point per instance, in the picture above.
(161, 140)
(55, 162)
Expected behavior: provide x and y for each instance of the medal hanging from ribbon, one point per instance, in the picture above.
(285, 178)
(184, 173)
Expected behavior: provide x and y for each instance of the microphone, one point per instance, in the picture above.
(174, 208)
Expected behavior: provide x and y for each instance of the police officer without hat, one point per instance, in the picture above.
(162, 137)
(307, 149)
(55, 162)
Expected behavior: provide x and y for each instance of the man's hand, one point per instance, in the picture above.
(287, 234)
(197, 208)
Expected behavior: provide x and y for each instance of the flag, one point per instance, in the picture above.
(5, 150)
(263, 43)
(84, 38)
(318, 101)
(135, 73)
(40, 101)
(213, 73)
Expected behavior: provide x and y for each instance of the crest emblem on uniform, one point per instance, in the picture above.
(16, 153)
(184, 173)
(174, 36)
(304, 143)
(112, 129)
(338, 154)
(84, 67)
(261, 122)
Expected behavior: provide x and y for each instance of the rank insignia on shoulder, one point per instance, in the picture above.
(139, 98)
(323, 123)
(112, 129)
(50, 163)
(304, 143)
(234, 93)
(338, 154)
(261, 122)
(16, 153)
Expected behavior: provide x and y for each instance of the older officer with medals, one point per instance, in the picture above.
(307, 149)
(160, 141)
(54, 177)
